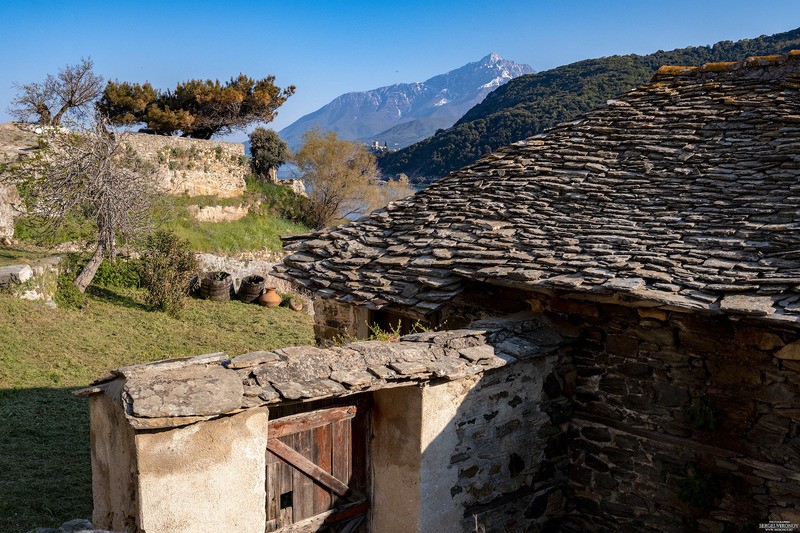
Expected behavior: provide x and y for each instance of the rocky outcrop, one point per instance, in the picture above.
(9, 210)
(16, 140)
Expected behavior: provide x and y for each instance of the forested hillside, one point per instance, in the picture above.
(529, 104)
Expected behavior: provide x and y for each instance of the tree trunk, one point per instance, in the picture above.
(270, 176)
(56, 120)
(87, 274)
(44, 115)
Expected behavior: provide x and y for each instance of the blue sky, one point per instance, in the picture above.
(327, 48)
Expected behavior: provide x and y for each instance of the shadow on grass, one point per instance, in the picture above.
(45, 468)
(109, 295)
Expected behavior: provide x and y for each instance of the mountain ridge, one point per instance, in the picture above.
(427, 106)
(532, 103)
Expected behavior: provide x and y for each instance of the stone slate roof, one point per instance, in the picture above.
(183, 391)
(685, 191)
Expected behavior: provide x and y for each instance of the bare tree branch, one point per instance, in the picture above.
(90, 171)
(73, 90)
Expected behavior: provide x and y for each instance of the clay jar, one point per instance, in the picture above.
(270, 298)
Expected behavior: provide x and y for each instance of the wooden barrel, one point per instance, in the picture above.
(216, 286)
(250, 289)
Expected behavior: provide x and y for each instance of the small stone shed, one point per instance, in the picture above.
(370, 436)
(661, 233)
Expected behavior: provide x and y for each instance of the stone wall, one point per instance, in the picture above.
(200, 477)
(193, 166)
(666, 402)
(334, 320)
(35, 281)
(506, 452)
(677, 420)
(483, 451)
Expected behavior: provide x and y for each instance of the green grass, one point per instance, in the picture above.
(22, 254)
(45, 473)
(279, 211)
(252, 233)
(74, 228)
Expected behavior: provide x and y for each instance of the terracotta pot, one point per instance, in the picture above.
(270, 298)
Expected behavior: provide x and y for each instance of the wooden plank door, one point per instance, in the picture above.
(317, 469)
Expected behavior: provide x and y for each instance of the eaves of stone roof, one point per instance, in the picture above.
(685, 191)
(185, 391)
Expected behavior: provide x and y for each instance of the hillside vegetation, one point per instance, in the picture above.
(529, 104)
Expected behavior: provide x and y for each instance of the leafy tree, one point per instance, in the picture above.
(167, 267)
(340, 174)
(267, 152)
(342, 179)
(392, 190)
(72, 90)
(196, 108)
(126, 103)
(90, 172)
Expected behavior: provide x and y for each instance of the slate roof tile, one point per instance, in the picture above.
(685, 191)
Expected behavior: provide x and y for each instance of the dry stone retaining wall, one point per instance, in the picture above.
(245, 265)
(193, 166)
(36, 281)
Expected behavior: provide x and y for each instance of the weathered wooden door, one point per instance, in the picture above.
(317, 469)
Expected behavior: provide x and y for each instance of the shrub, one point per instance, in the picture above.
(118, 273)
(167, 266)
(67, 294)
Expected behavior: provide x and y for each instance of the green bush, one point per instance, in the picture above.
(67, 294)
(167, 266)
(281, 201)
(118, 273)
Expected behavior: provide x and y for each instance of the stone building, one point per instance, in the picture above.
(663, 232)
(645, 259)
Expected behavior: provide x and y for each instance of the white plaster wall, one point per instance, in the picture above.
(396, 427)
(113, 466)
(440, 406)
(207, 477)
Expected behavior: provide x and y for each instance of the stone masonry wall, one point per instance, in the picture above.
(193, 166)
(677, 421)
(510, 453)
(334, 320)
(682, 421)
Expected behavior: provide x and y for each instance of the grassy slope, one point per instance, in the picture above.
(22, 254)
(45, 475)
(274, 211)
(251, 233)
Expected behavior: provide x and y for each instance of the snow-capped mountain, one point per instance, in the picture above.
(405, 113)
